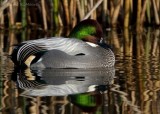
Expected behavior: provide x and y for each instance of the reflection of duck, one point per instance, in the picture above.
(71, 52)
(61, 82)
(87, 102)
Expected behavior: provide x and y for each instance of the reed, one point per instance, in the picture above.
(115, 13)
(138, 21)
(126, 13)
(44, 14)
(55, 12)
(73, 8)
(156, 12)
(68, 12)
(23, 13)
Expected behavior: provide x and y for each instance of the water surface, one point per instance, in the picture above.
(131, 87)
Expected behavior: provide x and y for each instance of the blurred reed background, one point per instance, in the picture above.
(50, 14)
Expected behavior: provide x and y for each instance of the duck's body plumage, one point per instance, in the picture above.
(63, 53)
(84, 49)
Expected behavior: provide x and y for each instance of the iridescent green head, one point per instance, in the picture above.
(87, 30)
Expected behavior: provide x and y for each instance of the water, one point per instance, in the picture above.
(131, 87)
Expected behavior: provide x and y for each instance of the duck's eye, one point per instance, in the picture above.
(80, 54)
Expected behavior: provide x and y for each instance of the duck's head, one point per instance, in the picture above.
(88, 30)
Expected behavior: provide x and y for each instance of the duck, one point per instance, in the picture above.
(83, 48)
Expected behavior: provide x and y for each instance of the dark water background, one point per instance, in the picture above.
(131, 87)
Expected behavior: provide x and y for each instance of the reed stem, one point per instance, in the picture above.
(105, 8)
(11, 15)
(138, 21)
(65, 7)
(143, 11)
(115, 14)
(94, 8)
(73, 7)
(126, 13)
(79, 9)
(156, 12)
(23, 12)
(55, 12)
(44, 15)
